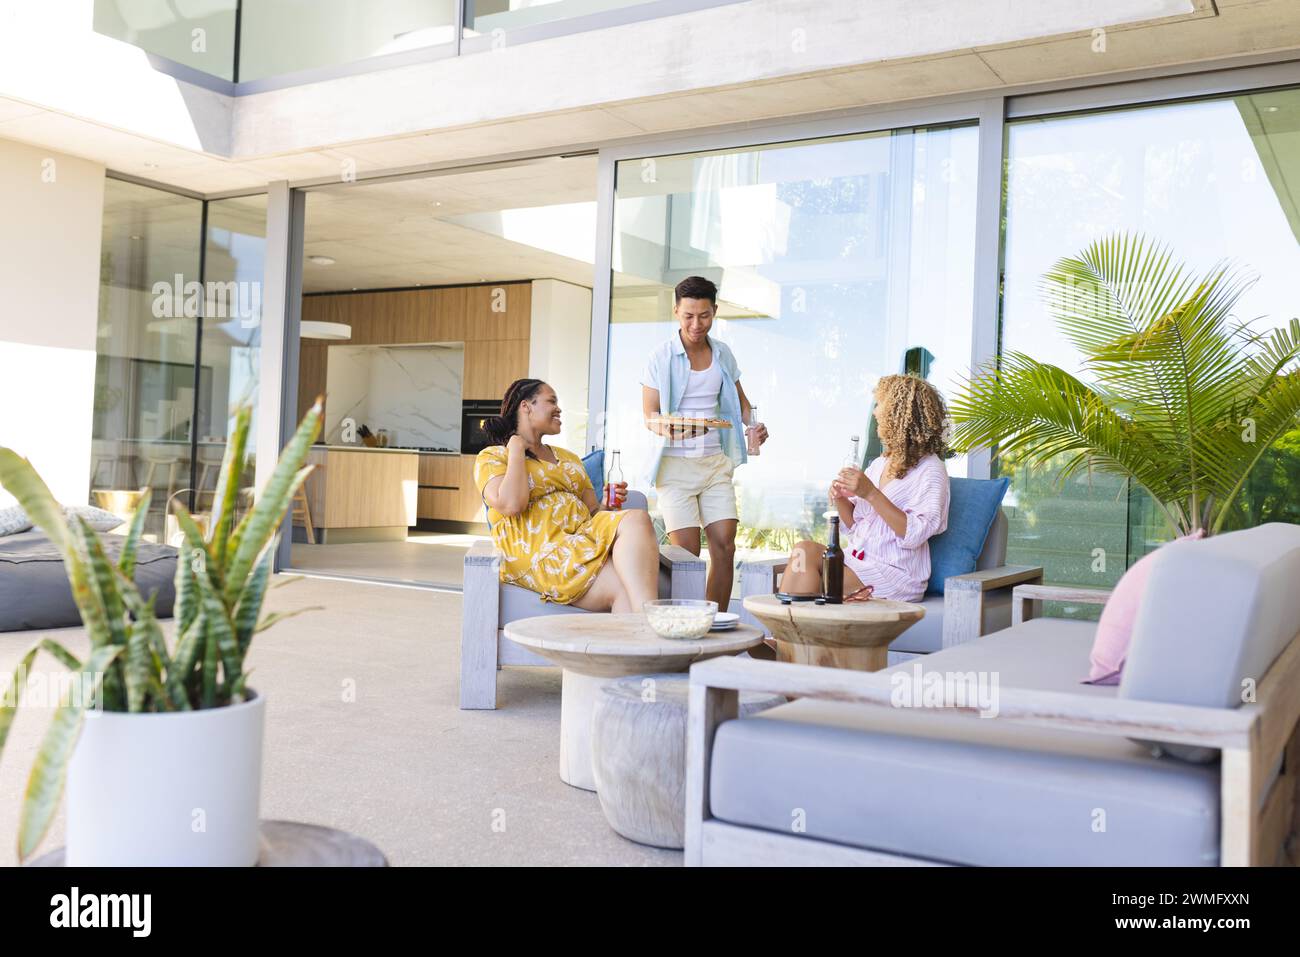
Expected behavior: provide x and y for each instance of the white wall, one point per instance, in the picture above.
(49, 304)
(559, 352)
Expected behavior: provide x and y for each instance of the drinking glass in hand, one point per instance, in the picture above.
(752, 425)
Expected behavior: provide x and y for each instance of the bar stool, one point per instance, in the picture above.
(156, 456)
(210, 457)
(301, 510)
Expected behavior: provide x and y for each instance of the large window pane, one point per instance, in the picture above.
(1214, 179)
(232, 334)
(285, 36)
(838, 261)
(144, 369)
(200, 35)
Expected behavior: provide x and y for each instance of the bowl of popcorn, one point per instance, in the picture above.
(680, 618)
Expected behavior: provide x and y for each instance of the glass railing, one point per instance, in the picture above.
(331, 32)
(201, 36)
(252, 40)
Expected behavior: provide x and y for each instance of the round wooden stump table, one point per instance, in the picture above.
(855, 635)
(638, 753)
(595, 648)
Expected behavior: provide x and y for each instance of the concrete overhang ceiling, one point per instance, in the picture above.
(246, 154)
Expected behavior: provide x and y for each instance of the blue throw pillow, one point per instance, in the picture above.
(594, 463)
(972, 506)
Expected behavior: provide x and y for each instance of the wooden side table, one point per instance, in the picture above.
(855, 635)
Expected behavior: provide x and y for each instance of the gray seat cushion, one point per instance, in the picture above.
(34, 590)
(929, 787)
(926, 636)
(518, 602)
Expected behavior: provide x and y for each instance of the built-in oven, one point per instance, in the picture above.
(473, 439)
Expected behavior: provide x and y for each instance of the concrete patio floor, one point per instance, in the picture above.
(399, 764)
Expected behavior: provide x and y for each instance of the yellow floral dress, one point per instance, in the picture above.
(554, 547)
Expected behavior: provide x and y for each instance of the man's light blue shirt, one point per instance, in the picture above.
(667, 371)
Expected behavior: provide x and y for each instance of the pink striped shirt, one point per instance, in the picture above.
(899, 567)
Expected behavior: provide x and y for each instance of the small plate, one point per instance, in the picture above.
(724, 621)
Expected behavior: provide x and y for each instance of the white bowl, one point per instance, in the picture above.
(680, 619)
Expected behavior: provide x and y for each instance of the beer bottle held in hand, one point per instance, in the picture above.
(612, 478)
(833, 566)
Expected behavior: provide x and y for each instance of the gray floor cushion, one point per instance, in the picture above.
(34, 590)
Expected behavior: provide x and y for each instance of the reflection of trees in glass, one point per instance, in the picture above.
(1060, 523)
(1272, 492)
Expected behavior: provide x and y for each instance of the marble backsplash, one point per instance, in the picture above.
(413, 391)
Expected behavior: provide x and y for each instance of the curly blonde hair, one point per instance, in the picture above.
(912, 422)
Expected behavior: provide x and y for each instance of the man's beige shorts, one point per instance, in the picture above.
(695, 492)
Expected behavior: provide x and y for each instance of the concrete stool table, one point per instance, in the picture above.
(854, 635)
(638, 754)
(594, 648)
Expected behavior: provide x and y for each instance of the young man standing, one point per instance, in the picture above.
(696, 376)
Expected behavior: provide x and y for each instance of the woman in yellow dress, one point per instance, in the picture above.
(557, 537)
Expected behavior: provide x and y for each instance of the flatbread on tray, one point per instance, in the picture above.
(682, 420)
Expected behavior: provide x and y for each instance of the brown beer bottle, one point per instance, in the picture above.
(833, 566)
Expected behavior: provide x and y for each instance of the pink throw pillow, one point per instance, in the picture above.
(1115, 628)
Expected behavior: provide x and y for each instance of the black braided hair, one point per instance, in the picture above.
(499, 428)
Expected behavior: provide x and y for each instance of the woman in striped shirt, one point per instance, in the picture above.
(889, 512)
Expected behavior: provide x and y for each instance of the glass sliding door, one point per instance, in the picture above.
(232, 334)
(1213, 179)
(838, 261)
(178, 337)
(145, 356)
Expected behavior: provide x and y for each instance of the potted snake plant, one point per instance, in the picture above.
(158, 739)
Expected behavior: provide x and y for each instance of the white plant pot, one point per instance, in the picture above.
(175, 789)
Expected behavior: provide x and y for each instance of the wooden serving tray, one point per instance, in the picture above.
(682, 420)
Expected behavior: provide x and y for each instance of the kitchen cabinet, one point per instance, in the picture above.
(438, 503)
(490, 312)
(368, 490)
(493, 320)
(311, 373)
(381, 318)
(491, 365)
(440, 470)
(471, 500)
(447, 489)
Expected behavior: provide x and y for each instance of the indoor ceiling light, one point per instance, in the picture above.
(321, 260)
(315, 329)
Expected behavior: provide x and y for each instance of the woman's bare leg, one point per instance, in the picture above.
(635, 557)
(606, 593)
(851, 580)
(803, 571)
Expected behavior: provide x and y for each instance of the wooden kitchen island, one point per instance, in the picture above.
(359, 494)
